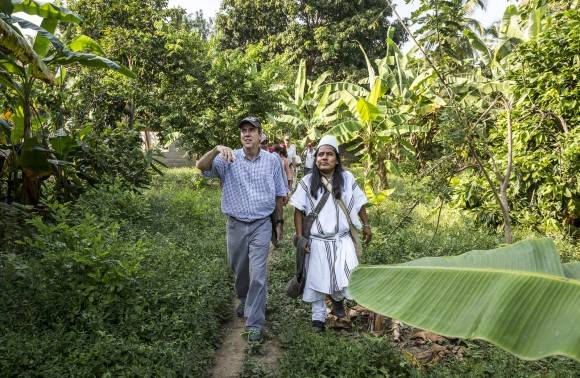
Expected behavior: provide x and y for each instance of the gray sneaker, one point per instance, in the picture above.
(254, 336)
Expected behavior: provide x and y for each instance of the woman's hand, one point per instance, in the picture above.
(366, 230)
(300, 239)
(367, 233)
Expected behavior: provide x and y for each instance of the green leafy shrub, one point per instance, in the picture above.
(401, 232)
(332, 355)
(118, 284)
(114, 154)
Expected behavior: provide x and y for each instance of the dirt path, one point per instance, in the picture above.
(229, 358)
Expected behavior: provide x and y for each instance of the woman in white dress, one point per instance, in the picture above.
(332, 255)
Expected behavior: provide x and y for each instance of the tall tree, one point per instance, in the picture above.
(441, 29)
(546, 71)
(164, 49)
(323, 33)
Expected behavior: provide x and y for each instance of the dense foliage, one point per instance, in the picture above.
(547, 144)
(119, 283)
(480, 112)
(100, 275)
(500, 140)
(185, 83)
(35, 146)
(402, 232)
(325, 34)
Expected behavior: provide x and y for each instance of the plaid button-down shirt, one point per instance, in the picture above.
(250, 187)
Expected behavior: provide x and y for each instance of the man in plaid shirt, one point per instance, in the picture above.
(253, 186)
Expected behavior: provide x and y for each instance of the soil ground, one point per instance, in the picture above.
(229, 358)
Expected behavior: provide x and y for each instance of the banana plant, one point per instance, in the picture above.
(510, 32)
(23, 66)
(312, 108)
(519, 297)
(381, 116)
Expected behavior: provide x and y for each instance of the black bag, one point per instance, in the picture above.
(295, 286)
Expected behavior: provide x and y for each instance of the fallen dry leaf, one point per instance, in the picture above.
(358, 308)
(396, 330)
(430, 336)
(424, 356)
(438, 348)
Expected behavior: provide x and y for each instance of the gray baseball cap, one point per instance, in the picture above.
(252, 121)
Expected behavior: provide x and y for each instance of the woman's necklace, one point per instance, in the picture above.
(329, 176)
(327, 182)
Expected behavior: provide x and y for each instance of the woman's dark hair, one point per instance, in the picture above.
(337, 179)
(281, 150)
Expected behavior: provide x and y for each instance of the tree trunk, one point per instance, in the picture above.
(502, 204)
(501, 196)
(27, 119)
(369, 166)
(147, 140)
(30, 191)
(131, 118)
(383, 177)
(131, 103)
(506, 178)
(30, 194)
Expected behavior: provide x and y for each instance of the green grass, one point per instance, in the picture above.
(399, 236)
(119, 284)
(130, 284)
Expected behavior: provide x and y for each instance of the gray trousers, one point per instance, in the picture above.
(248, 245)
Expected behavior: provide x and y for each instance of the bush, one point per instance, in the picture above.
(308, 354)
(403, 229)
(119, 283)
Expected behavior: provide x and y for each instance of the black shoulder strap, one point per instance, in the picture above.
(320, 204)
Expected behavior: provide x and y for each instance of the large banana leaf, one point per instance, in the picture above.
(89, 60)
(300, 84)
(63, 145)
(346, 131)
(370, 69)
(290, 119)
(39, 29)
(516, 297)
(322, 102)
(41, 43)
(85, 43)
(338, 87)
(34, 158)
(316, 84)
(14, 42)
(376, 92)
(366, 111)
(45, 10)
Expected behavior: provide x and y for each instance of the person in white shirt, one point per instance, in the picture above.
(290, 150)
(308, 158)
(331, 253)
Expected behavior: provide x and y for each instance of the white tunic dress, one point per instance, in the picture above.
(332, 255)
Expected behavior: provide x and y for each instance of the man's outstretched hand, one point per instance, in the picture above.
(226, 154)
